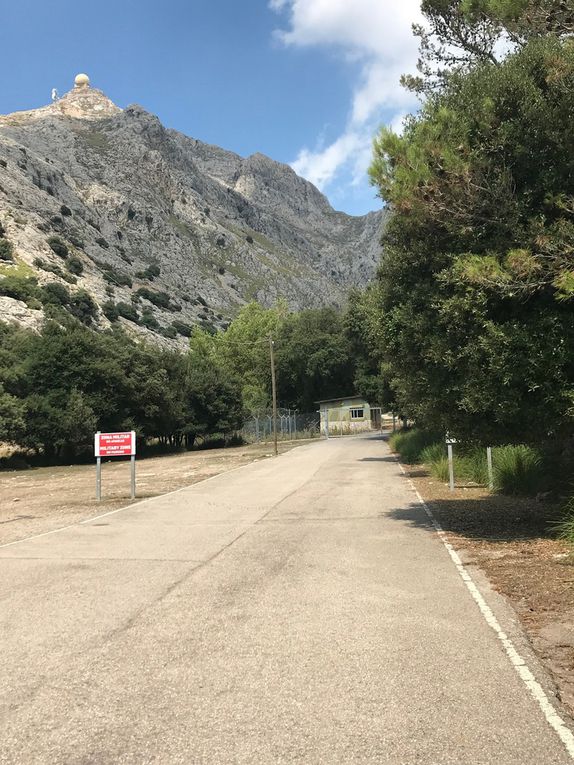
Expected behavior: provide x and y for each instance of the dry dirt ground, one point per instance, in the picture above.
(512, 541)
(41, 499)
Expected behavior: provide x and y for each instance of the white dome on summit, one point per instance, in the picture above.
(81, 80)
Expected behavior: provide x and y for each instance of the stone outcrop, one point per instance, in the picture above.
(125, 194)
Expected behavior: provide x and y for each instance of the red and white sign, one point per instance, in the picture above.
(115, 444)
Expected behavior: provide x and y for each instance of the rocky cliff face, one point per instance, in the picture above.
(148, 211)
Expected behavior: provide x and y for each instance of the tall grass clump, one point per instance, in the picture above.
(433, 453)
(434, 457)
(409, 444)
(471, 466)
(565, 528)
(517, 469)
(439, 469)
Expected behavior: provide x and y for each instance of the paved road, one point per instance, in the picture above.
(298, 610)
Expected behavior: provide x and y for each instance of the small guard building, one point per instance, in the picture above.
(343, 416)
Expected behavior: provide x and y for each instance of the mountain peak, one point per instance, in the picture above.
(81, 102)
(85, 102)
(161, 230)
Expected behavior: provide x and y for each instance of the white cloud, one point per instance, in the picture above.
(320, 166)
(378, 35)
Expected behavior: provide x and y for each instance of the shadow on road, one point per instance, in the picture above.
(376, 459)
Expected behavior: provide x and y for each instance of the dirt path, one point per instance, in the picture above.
(41, 499)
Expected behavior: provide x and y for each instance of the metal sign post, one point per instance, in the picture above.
(98, 475)
(273, 393)
(450, 467)
(133, 476)
(489, 464)
(115, 445)
(449, 442)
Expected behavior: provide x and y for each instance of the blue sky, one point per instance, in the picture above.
(306, 82)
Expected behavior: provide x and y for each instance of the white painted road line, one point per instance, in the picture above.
(520, 665)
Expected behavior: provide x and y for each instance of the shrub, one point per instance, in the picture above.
(6, 250)
(153, 270)
(102, 242)
(65, 210)
(76, 240)
(182, 328)
(517, 469)
(54, 293)
(249, 239)
(149, 273)
(19, 287)
(119, 278)
(128, 312)
(476, 466)
(83, 307)
(159, 299)
(148, 320)
(110, 310)
(439, 469)
(75, 266)
(52, 268)
(169, 332)
(410, 443)
(433, 453)
(58, 246)
(565, 527)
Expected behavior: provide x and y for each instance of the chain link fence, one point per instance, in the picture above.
(290, 426)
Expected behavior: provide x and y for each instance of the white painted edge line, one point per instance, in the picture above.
(135, 504)
(519, 664)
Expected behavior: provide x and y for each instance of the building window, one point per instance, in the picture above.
(357, 414)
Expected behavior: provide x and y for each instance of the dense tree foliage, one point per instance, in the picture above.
(364, 329)
(478, 274)
(60, 386)
(316, 355)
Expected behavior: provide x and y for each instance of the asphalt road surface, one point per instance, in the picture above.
(298, 610)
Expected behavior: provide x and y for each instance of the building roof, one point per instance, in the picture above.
(341, 398)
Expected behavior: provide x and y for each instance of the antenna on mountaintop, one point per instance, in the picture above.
(55, 95)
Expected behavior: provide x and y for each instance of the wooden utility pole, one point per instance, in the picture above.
(274, 393)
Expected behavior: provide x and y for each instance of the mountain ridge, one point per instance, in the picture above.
(123, 193)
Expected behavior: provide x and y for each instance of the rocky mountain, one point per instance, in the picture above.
(162, 229)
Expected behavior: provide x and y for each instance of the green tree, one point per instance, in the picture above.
(477, 273)
(364, 331)
(314, 359)
(244, 350)
(460, 34)
(11, 418)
